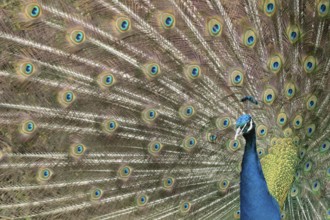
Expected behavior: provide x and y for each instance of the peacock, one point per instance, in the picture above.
(154, 109)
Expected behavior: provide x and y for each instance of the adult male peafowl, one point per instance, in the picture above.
(127, 109)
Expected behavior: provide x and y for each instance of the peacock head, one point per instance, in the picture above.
(244, 125)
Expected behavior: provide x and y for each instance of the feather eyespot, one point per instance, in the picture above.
(250, 38)
(192, 71)
(308, 166)
(311, 102)
(310, 130)
(149, 115)
(186, 111)
(269, 96)
(233, 145)
(316, 186)
(325, 146)
(168, 183)
(125, 172)
(282, 119)
(184, 207)
(297, 122)
(270, 7)
(96, 194)
(323, 8)
(290, 90)
(189, 143)
(110, 125)
(123, 24)
(155, 147)
(214, 27)
(236, 78)
(78, 150)
(167, 21)
(223, 185)
(141, 200)
(28, 127)
(275, 64)
(151, 70)
(293, 34)
(27, 69)
(33, 10)
(223, 123)
(237, 214)
(309, 64)
(44, 174)
(294, 191)
(77, 36)
(262, 130)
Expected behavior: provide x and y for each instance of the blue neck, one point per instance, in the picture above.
(256, 201)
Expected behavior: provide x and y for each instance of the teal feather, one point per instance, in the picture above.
(127, 109)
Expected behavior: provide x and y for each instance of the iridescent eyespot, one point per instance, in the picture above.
(316, 186)
(290, 90)
(125, 171)
(311, 102)
(275, 64)
(78, 150)
(236, 78)
(211, 137)
(167, 20)
(269, 7)
(149, 115)
(308, 166)
(66, 97)
(96, 194)
(261, 152)
(288, 132)
(302, 153)
(151, 70)
(323, 8)
(262, 130)
(223, 123)
(310, 130)
(141, 200)
(233, 145)
(282, 119)
(106, 80)
(77, 36)
(155, 147)
(283, 216)
(168, 182)
(192, 71)
(273, 141)
(293, 33)
(297, 122)
(189, 143)
(223, 185)
(33, 10)
(123, 24)
(294, 191)
(28, 127)
(110, 125)
(237, 214)
(298, 174)
(296, 140)
(44, 174)
(324, 146)
(309, 64)
(214, 27)
(269, 96)
(186, 111)
(250, 38)
(27, 69)
(184, 207)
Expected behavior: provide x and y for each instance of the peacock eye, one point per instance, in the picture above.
(149, 115)
(77, 36)
(223, 123)
(110, 125)
(234, 145)
(168, 182)
(78, 150)
(168, 20)
(310, 130)
(141, 200)
(250, 38)
(269, 96)
(189, 143)
(309, 64)
(323, 8)
(185, 207)
(28, 127)
(186, 111)
(223, 185)
(96, 194)
(237, 214)
(261, 152)
(262, 130)
(44, 174)
(123, 24)
(294, 191)
(33, 10)
(281, 119)
(237, 78)
(154, 147)
(125, 171)
(275, 64)
(311, 102)
(214, 27)
(152, 70)
(297, 122)
(308, 166)
(269, 8)
(211, 137)
(27, 69)
(293, 33)
(324, 146)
